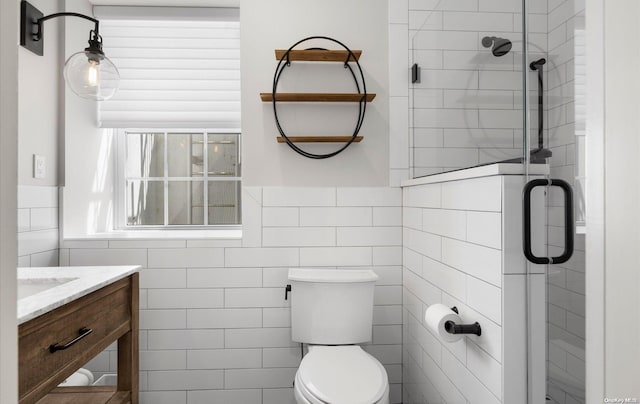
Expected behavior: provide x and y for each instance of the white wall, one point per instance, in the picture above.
(269, 25)
(89, 169)
(613, 193)
(8, 182)
(39, 80)
(622, 198)
(89, 190)
(40, 84)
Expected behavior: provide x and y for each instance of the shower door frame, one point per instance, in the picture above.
(537, 373)
(595, 201)
(535, 279)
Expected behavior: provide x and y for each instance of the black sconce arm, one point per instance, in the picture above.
(31, 27)
(38, 34)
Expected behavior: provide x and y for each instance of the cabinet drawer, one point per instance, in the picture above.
(106, 312)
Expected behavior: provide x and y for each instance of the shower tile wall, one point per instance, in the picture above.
(37, 226)
(566, 282)
(467, 109)
(214, 325)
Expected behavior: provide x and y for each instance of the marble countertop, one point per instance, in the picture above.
(69, 283)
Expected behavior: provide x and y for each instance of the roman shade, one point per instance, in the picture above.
(179, 67)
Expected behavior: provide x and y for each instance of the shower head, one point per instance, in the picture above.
(501, 46)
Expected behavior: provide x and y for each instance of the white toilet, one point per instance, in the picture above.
(331, 310)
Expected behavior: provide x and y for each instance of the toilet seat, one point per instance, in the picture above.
(341, 375)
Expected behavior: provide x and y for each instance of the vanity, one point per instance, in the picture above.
(68, 315)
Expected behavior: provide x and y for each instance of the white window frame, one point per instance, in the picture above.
(120, 188)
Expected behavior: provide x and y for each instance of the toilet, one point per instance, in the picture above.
(332, 312)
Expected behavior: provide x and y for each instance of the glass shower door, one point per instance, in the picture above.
(556, 291)
(465, 97)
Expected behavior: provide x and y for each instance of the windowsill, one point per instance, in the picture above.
(209, 234)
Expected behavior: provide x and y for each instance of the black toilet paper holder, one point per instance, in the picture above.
(452, 328)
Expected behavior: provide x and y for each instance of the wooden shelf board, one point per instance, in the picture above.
(317, 55)
(88, 394)
(316, 97)
(319, 139)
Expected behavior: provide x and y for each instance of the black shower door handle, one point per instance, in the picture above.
(568, 221)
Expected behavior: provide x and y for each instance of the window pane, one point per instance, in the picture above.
(222, 151)
(184, 154)
(186, 201)
(145, 203)
(145, 155)
(224, 202)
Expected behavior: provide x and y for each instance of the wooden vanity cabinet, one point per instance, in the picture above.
(111, 314)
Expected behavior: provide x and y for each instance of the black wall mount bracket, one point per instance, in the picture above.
(453, 328)
(32, 28)
(415, 73)
(28, 25)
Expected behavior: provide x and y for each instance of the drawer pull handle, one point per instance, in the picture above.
(83, 332)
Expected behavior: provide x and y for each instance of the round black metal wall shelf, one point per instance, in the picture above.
(346, 56)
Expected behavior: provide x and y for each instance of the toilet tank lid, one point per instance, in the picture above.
(332, 275)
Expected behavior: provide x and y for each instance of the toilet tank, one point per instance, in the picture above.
(331, 306)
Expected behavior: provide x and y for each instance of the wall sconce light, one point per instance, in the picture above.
(89, 73)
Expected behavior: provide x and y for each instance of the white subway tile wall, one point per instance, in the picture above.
(453, 254)
(215, 327)
(37, 226)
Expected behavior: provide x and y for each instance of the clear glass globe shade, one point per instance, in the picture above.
(90, 76)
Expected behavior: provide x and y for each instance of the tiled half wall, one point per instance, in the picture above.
(461, 247)
(37, 226)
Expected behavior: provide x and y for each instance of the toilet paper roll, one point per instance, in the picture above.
(436, 316)
(82, 377)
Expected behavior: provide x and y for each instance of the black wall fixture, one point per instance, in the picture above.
(501, 46)
(540, 155)
(89, 73)
(415, 73)
(453, 328)
(322, 55)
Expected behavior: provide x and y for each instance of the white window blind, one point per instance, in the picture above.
(177, 69)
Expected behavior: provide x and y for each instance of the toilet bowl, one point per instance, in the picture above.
(343, 374)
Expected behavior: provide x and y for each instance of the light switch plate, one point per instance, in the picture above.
(39, 166)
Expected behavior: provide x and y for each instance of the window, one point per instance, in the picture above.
(180, 68)
(179, 178)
